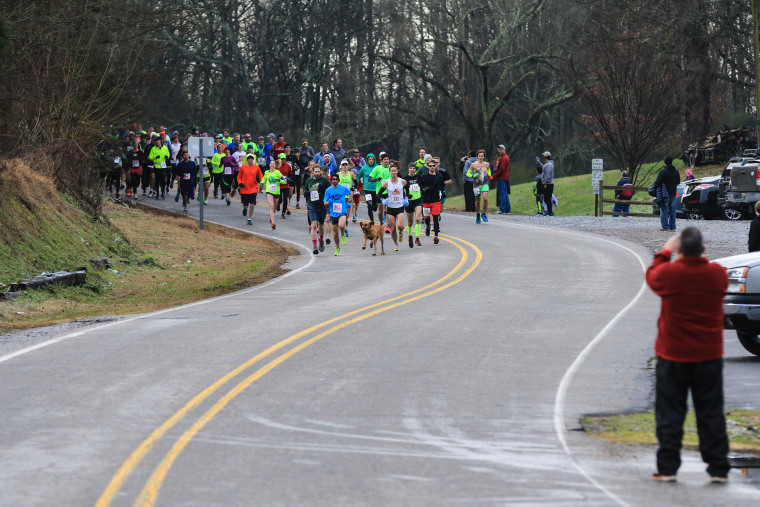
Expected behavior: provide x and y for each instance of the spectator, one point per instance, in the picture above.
(547, 180)
(668, 180)
(689, 349)
(754, 230)
(623, 195)
(501, 175)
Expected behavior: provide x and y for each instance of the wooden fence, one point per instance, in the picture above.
(645, 191)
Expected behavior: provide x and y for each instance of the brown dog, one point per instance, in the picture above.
(373, 233)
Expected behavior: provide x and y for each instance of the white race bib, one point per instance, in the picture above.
(205, 170)
(135, 163)
(163, 165)
(395, 199)
(368, 197)
(337, 207)
(272, 188)
(476, 190)
(297, 172)
(425, 212)
(314, 195)
(186, 176)
(414, 187)
(228, 170)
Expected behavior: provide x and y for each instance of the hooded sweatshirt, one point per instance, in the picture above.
(365, 171)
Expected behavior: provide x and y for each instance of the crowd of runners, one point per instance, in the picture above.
(151, 164)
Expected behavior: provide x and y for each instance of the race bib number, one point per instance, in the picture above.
(396, 199)
(314, 195)
(186, 176)
(135, 163)
(368, 197)
(205, 170)
(414, 187)
(425, 212)
(297, 172)
(228, 170)
(346, 185)
(272, 188)
(337, 207)
(163, 165)
(476, 191)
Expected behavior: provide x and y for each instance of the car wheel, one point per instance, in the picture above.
(732, 214)
(696, 216)
(749, 341)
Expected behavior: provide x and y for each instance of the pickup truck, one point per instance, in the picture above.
(741, 306)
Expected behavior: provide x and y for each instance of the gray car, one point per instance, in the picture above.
(741, 305)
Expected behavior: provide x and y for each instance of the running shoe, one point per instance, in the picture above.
(663, 478)
(176, 197)
(344, 239)
(395, 249)
(250, 222)
(216, 195)
(401, 236)
(427, 229)
(205, 202)
(337, 252)
(435, 240)
(287, 212)
(163, 196)
(321, 246)
(282, 216)
(327, 241)
(411, 242)
(477, 218)
(316, 251)
(387, 230)
(719, 479)
(298, 206)
(274, 226)
(229, 202)
(184, 208)
(347, 234)
(417, 242)
(245, 211)
(354, 219)
(485, 218)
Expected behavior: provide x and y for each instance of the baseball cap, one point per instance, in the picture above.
(281, 155)
(271, 135)
(249, 156)
(428, 156)
(546, 154)
(503, 147)
(344, 162)
(304, 141)
(261, 137)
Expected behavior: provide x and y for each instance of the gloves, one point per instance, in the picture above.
(385, 202)
(406, 202)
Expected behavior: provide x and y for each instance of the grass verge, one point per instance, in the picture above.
(169, 262)
(743, 428)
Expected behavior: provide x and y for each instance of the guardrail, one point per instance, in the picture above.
(602, 200)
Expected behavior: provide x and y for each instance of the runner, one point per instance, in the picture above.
(159, 156)
(298, 176)
(357, 162)
(205, 164)
(380, 174)
(229, 168)
(480, 171)
(135, 164)
(370, 194)
(188, 173)
(347, 179)
(314, 193)
(217, 169)
(248, 179)
(287, 173)
(336, 199)
(432, 185)
(414, 208)
(176, 157)
(395, 203)
(271, 182)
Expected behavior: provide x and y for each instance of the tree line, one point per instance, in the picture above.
(631, 80)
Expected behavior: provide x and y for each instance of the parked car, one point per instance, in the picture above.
(700, 199)
(740, 186)
(741, 306)
(680, 213)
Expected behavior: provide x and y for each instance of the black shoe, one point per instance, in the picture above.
(316, 251)
(327, 242)
(245, 211)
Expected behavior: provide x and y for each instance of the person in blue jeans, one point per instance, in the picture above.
(666, 185)
(501, 175)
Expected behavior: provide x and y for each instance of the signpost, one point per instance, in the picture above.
(597, 179)
(199, 148)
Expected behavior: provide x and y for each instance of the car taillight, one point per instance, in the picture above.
(678, 194)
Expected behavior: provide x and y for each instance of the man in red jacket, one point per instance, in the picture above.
(689, 350)
(501, 175)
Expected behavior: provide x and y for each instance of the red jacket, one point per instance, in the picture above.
(502, 168)
(690, 328)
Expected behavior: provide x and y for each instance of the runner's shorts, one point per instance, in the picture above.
(317, 214)
(431, 208)
(413, 204)
(394, 212)
(247, 199)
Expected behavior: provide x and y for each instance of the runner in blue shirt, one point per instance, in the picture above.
(336, 200)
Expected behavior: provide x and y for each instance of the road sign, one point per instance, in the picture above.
(597, 175)
(194, 145)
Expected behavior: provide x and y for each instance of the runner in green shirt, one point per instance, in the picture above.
(314, 191)
(271, 183)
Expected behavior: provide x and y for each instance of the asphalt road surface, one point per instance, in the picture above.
(453, 374)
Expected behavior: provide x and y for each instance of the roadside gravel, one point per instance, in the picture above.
(722, 237)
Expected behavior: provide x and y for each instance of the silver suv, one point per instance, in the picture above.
(741, 305)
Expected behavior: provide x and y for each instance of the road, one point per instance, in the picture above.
(448, 374)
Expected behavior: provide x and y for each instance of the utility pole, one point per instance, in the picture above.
(757, 69)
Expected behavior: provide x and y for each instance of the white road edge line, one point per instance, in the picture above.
(53, 341)
(559, 401)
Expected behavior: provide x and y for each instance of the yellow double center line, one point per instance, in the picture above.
(152, 487)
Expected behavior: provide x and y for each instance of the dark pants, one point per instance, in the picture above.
(548, 191)
(469, 197)
(705, 379)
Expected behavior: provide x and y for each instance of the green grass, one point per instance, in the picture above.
(743, 427)
(575, 194)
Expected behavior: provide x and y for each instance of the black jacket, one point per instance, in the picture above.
(670, 178)
(754, 235)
